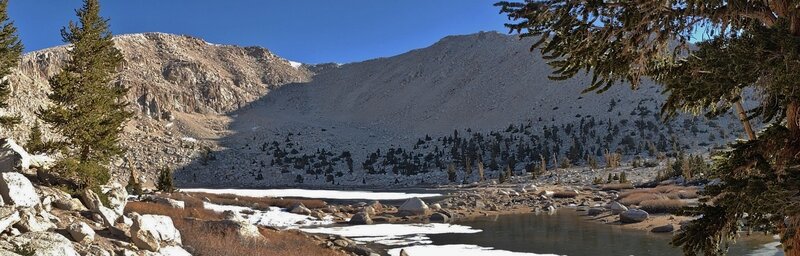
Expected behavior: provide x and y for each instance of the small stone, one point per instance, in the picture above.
(633, 216)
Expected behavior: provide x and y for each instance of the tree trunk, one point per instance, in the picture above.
(751, 135)
(791, 230)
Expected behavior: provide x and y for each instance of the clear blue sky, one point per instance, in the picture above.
(309, 31)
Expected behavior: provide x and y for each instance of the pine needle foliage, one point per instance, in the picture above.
(88, 108)
(743, 45)
(10, 52)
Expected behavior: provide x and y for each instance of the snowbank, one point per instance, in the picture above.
(394, 234)
(274, 217)
(313, 193)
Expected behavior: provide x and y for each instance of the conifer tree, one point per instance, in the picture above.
(88, 110)
(10, 52)
(165, 180)
(748, 45)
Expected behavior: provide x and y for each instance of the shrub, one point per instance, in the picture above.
(165, 181)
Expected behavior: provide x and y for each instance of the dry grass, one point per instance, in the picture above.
(662, 205)
(669, 196)
(202, 240)
(616, 186)
(636, 198)
(259, 203)
(565, 194)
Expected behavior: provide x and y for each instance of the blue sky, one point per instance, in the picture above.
(309, 31)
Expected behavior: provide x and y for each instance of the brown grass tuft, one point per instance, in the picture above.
(638, 197)
(662, 205)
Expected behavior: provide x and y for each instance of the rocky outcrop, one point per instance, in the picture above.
(81, 232)
(151, 232)
(179, 87)
(18, 190)
(413, 206)
(45, 244)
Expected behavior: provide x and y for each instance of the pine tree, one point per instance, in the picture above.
(165, 180)
(10, 52)
(748, 45)
(88, 110)
(36, 143)
(451, 172)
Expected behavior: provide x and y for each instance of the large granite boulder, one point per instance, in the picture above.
(18, 190)
(361, 218)
(46, 244)
(81, 232)
(151, 232)
(90, 199)
(413, 206)
(300, 209)
(14, 158)
(117, 197)
(8, 217)
(31, 222)
(633, 216)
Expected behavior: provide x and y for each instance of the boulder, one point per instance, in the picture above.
(8, 217)
(436, 207)
(616, 207)
(90, 199)
(81, 232)
(241, 229)
(150, 232)
(300, 209)
(30, 222)
(438, 217)
(233, 216)
(18, 190)
(108, 216)
(633, 216)
(360, 219)
(117, 197)
(377, 206)
(663, 229)
(174, 251)
(69, 204)
(94, 250)
(594, 211)
(369, 210)
(413, 206)
(403, 252)
(46, 244)
(14, 157)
